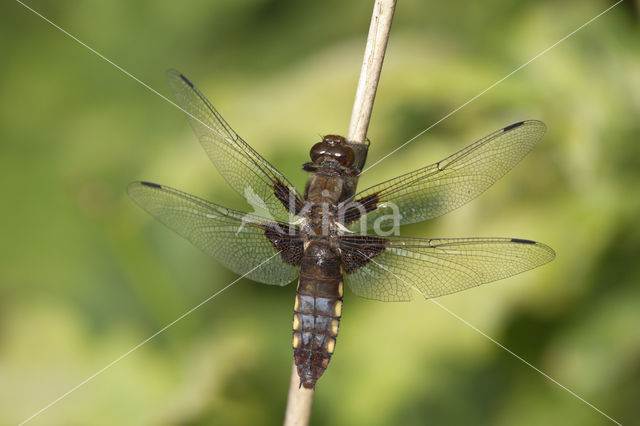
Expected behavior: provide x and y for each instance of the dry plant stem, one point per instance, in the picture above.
(300, 400)
(371, 67)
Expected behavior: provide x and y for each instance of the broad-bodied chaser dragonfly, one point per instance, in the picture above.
(326, 236)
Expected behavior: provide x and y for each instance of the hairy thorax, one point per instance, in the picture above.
(320, 215)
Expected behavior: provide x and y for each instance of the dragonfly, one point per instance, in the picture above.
(332, 234)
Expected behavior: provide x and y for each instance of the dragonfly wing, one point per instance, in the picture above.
(246, 171)
(396, 268)
(434, 190)
(266, 251)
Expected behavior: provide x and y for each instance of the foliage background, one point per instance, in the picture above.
(85, 275)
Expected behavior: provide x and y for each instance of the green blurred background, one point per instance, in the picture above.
(85, 275)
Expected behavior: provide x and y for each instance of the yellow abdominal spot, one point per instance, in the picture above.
(334, 327)
(340, 289)
(296, 322)
(337, 308)
(331, 344)
(296, 340)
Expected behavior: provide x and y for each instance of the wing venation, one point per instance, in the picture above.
(246, 171)
(434, 190)
(397, 268)
(266, 251)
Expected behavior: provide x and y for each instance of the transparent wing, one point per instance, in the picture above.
(444, 186)
(265, 250)
(246, 171)
(395, 268)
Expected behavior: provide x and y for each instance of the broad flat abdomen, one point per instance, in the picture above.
(317, 311)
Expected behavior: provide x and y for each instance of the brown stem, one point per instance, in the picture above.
(300, 400)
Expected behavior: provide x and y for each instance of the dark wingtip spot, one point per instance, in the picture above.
(513, 126)
(150, 184)
(186, 80)
(521, 241)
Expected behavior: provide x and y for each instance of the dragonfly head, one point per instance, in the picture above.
(332, 149)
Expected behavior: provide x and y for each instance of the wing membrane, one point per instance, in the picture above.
(239, 241)
(395, 268)
(242, 167)
(434, 190)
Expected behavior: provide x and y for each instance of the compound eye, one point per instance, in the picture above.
(317, 151)
(349, 157)
(344, 155)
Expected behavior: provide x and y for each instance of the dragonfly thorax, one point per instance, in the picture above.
(321, 220)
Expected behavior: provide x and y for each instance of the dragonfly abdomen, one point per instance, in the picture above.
(317, 311)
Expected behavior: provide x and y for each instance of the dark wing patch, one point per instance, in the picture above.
(287, 241)
(356, 209)
(287, 197)
(358, 250)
